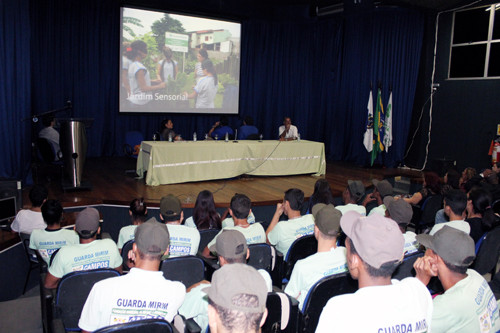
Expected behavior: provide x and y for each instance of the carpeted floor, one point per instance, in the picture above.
(22, 314)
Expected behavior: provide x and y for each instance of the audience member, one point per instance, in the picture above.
(455, 202)
(220, 128)
(240, 210)
(451, 182)
(47, 241)
(329, 260)
(287, 131)
(480, 215)
(247, 129)
(231, 248)
(467, 175)
(183, 239)
(430, 187)
(142, 293)
(28, 220)
(322, 194)
(167, 131)
(138, 212)
(374, 250)
(50, 134)
(283, 234)
(467, 305)
(401, 212)
(237, 300)
(204, 214)
(91, 253)
(351, 196)
(382, 189)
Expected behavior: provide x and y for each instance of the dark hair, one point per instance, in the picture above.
(167, 52)
(234, 320)
(249, 121)
(47, 120)
(469, 173)
(242, 259)
(203, 53)
(37, 195)
(432, 182)
(135, 47)
(240, 205)
(481, 204)
(204, 214)
(322, 193)
(208, 65)
(139, 210)
(52, 212)
(453, 178)
(295, 197)
(385, 270)
(458, 269)
(164, 122)
(150, 257)
(457, 200)
(223, 121)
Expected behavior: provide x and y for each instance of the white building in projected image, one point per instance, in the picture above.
(212, 40)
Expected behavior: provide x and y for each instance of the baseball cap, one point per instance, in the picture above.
(87, 222)
(327, 218)
(377, 239)
(170, 207)
(230, 244)
(454, 246)
(383, 187)
(152, 238)
(400, 210)
(356, 188)
(232, 280)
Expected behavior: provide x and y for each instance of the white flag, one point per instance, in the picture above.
(388, 125)
(368, 137)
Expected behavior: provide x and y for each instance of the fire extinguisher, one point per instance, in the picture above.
(495, 154)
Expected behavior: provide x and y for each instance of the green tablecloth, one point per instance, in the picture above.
(188, 161)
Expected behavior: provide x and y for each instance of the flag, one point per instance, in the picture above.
(368, 137)
(388, 125)
(378, 127)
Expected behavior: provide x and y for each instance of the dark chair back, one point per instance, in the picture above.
(53, 256)
(261, 256)
(186, 269)
(132, 139)
(405, 269)
(45, 150)
(320, 293)
(426, 215)
(488, 255)
(125, 249)
(282, 313)
(496, 206)
(72, 292)
(139, 326)
(253, 137)
(206, 237)
(300, 249)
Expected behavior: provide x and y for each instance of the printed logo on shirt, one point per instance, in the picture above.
(128, 310)
(92, 265)
(336, 270)
(47, 253)
(304, 231)
(180, 246)
(419, 326)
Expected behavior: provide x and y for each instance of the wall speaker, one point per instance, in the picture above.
(12, 188)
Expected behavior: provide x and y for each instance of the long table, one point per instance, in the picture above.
(189, 161)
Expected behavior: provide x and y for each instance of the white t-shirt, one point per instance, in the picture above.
(138, 295)
(168, 69)
(136, 95)
(100, 253)
(403, 306)
(47, 242)
(183, 240)
(52, 135)
(457, 224)
(229, 222)
(352, 207)
(468, 306)
(379, 210)
(206, 91)
(126, 233)
(293, 133)
(411, 244)
(27, 220)
(286, 232)
(254, 234)
(310, 270)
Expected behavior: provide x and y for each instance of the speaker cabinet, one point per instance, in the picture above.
(12, 188)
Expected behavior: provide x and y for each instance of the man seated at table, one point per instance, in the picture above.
(287, 131)
(247, 129)
(220, 128)
(283, 234)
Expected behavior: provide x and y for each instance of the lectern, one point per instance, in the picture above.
(73, 142)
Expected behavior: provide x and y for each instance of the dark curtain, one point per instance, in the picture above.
(14, 88)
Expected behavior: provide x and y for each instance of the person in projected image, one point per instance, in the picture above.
(167, 67)
(141, 85)
(206, 88)
(202, 55)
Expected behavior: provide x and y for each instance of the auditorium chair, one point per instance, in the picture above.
(318, 296)
(131, 146)
(146, 325)
(186, 269)
(262, 256)
(282, 313)
(125, 249)
(405, 269)
(34, 259)
(206, 237)
(300, 249)
(489, 253)
(424, 217)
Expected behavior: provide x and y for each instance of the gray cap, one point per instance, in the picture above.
(377, 239)
(327, 218)
(230, 244)
(170, 207)
(356, 188)
(454, 246)
(383, 187)
(399, 210)
(87, 222)
(152, 238)
(233, 280)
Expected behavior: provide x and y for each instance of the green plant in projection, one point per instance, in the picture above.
(181, 84)
(165, 24)
(225, 80)
(153, 55)
(128, 22)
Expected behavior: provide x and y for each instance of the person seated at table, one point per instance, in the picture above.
(287, 131)
(247, 129)
(167, 131)
(220, 128)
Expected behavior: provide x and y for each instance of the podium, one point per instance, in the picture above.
(73, 142)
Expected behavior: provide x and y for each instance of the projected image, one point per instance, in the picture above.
(178, 63)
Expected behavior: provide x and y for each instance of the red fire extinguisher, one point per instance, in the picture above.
(495, 152)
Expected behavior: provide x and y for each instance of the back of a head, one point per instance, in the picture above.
(295, 197)
(52, 212)
(457, 200)
(223, 121)
(139, 210)
(205, 215)
(232, 246)
(322, 192)
(47, 120)
(481, 204)
(432, 182)
(152, 239)
(135, 47)
(170, 208)
(249, 121)
(356, 190)
(240, 205)
(453, 178)
(38, 194)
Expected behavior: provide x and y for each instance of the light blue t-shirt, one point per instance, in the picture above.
(286, 232)
(47, 242)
